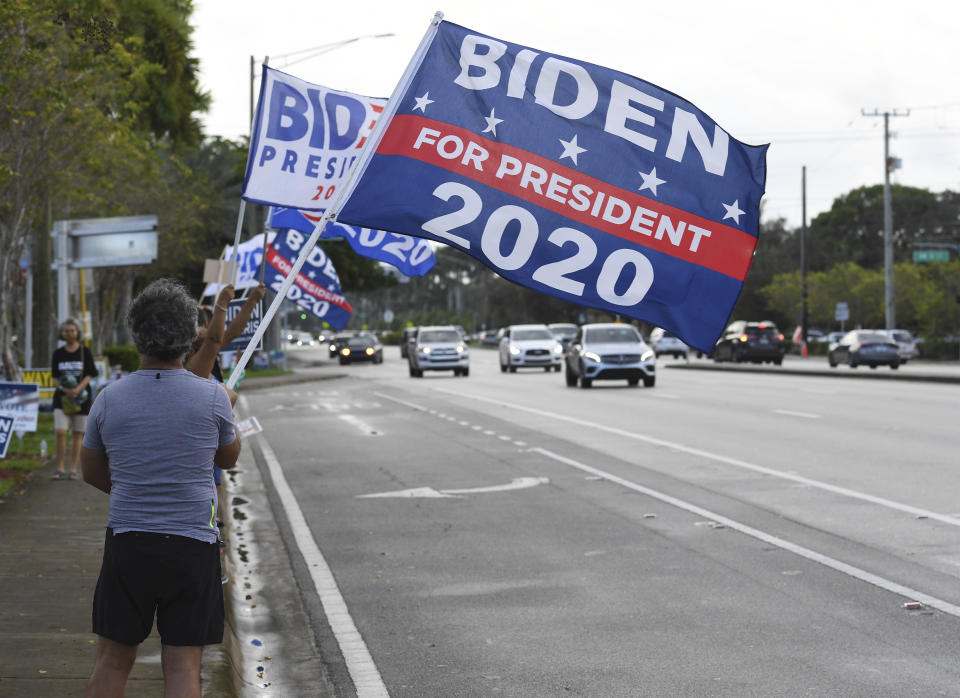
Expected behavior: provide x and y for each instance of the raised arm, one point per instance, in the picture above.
(239, 323)
(201, 363)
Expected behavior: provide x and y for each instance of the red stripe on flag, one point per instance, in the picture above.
(650, 223)
(281, 264)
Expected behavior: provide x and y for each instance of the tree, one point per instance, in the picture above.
(852, 230)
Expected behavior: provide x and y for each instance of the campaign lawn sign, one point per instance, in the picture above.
(6, 435)
(411, 256)
(569, 178)
(233, 309)
(20, 402)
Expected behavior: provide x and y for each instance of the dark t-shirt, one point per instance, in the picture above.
(77, 363)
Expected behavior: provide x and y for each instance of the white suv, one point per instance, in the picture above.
(438, 348)
(529, 346)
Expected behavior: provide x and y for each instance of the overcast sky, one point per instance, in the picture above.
(794, 76)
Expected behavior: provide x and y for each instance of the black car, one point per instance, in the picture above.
(758, 342)
(363, 347)
(865, 347)
(338, 341)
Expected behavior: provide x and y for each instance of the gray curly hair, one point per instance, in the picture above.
(163, 320)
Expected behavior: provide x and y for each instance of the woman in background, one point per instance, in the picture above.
(72, 368)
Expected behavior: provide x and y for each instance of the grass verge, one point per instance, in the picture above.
(23, 455)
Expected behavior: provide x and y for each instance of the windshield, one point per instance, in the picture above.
(872, 338)
(523, 335)
(440, 336)
(562, 330)
(612, 334)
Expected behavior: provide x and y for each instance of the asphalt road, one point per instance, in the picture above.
(721, 534)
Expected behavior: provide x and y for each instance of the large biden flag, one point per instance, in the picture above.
(569, 178)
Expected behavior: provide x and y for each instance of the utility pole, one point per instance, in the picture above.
(803, 260)
(888, 164)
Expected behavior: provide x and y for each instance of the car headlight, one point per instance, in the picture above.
(424, 350)
(590, 356)
(461, 348)
(368, 351)
(345, 351)
(557, 349)
(646, 356)
(514, 350)
(333, 347)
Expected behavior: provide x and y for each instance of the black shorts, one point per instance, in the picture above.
(173, 577)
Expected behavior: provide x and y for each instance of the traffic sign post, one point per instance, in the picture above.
(841, 313)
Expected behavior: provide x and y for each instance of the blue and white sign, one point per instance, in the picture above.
(249, 256)
(6, 435)
(569, 178)
(21, 403)
(412, 256)
(240, 343)
(305, 139)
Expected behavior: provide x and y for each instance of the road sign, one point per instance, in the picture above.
(842, 312)
(931, 255)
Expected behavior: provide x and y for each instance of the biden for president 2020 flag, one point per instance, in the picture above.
(569, 178)
(412, 256)
(316, 289)
(305, 139)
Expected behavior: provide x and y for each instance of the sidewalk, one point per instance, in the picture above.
(51, 545)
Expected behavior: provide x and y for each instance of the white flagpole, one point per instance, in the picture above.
(330, 213)
(236, 242)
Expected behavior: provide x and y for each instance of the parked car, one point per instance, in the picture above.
(438, 348)
(338, 341)
(564, 332)
(906, 344)
(363, 347)
(865, 347)
(664, 342)
(405, 339)
(609, 351)
(529, 346)
(750, 341)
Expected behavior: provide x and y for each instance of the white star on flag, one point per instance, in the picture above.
(651, 181)
(422, 102)
(571, 149)
(312, 274)
(492, 122)
(733, 211)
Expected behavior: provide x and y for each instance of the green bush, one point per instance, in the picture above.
(392, 338)
(939, 349)
(126, 355)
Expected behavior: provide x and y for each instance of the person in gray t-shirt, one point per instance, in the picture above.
(151, 443)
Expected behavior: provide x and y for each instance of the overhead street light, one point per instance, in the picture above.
(312, 52)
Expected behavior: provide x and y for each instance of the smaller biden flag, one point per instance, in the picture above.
(572, 179)
(305, 139)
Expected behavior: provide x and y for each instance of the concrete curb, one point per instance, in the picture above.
(882, 373)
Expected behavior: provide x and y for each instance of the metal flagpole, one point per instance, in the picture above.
(342, 195)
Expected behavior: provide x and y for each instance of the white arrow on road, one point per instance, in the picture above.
(518, 483)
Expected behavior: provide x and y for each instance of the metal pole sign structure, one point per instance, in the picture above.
(100, 242)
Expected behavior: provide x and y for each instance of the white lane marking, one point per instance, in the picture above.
(666, 396)
(791, 413)
(812, 555)
(736, 462)
(518, 483)
(411, 405)
(359, 424)
(364, 673)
